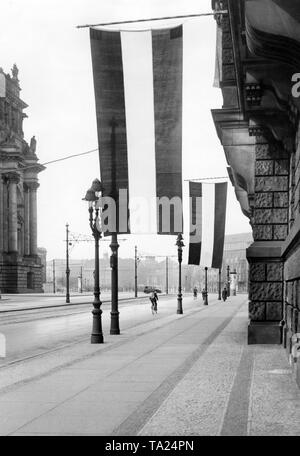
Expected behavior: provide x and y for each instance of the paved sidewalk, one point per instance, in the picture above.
(190, 374)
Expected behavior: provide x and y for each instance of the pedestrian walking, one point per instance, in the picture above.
(195, 292)
(224, 294)
(203, 294)
(153, 299)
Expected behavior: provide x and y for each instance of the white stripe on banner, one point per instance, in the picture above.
(208, 224)
(2, 86)
(186, 220)
(139, 107)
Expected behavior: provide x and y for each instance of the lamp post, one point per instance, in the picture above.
(114, 320)
(180, 245)
(206, 292)
(234, 280)
(92, 196)
(114, 314)
(228, 280)
(67, 266)
(219, 297)
(135, 272)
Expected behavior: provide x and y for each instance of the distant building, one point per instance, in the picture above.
(151, 271)
(20, 264)
(42, 253)
(235, 257)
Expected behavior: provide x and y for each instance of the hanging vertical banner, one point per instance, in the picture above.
(138, 92)
(207, 223)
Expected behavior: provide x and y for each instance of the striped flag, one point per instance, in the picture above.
(207, 223)
(138, 92)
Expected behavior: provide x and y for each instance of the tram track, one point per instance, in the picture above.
(76, 340)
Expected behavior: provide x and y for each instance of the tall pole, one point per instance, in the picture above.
(234, 282)
(97, 335)
(206, 292)
(219, 297)
(114, 324)
(80, 279)
(135, 273)
(167, 275)
(228, 280)
(67, 266)
(53, 270)
(179, 244)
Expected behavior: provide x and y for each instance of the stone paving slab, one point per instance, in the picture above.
(182, 375)
(149, 363)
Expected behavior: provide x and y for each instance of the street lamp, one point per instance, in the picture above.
(67, 265)
(228, 280)
(92, 196)
(205, 289)
(219, 287)
(179, 244)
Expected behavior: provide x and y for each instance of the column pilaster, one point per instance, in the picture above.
(26, 220)
(270, 228)
(13, 180)
(33, 186)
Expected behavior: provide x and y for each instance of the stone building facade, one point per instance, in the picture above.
(20, 265)
(258, 59)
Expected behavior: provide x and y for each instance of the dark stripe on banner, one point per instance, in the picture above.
(167, 81)
(110, 111)
(219, 228)
(195, 190)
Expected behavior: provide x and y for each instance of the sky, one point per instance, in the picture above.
(55, 73)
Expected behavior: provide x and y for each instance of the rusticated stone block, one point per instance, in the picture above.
(274, 272)
(257, 272)
(262, 151)
(264, 167)
(265, 291)
(270, 151)
(282, 167)
(262, 232)
(274, 311)
(263, 200)
(280, 216)
(281, 199)
(257, 311)
(272, 183)
(262, 216)
(280, 232)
